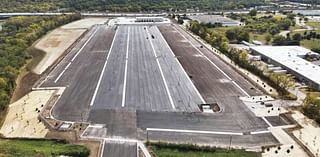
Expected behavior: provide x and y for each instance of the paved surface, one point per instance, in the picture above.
(119, 149)
(81, 75)
(118, 122)
(215, 140)
(198, 121)
(208, 78)
(278, 120)
(123, 78)
(142, 74)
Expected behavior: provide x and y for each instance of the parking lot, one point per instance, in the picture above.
(146, 81)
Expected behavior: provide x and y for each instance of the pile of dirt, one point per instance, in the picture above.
(25, 82)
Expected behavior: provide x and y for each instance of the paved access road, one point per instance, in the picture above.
(120, 149)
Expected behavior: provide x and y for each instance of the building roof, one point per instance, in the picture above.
(213, 19)
(290, 57)
(307, 12)
(239, 46)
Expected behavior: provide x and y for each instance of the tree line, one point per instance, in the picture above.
(124, 5)
(311, 108)
(17, 35)
(280, 82)
(306, 1)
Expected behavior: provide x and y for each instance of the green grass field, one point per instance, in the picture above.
(314, 24)
(39, 148)
(259, 37)
(175, 153)
(174, 150)
(311, 44)
(221, 30)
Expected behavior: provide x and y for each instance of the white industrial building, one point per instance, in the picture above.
(149, 19)
(225, 21)
(291, 59)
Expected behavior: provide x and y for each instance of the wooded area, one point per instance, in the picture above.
(311, 108)
(123, 5)
(306, 1)
(220, 41)
(17, 35)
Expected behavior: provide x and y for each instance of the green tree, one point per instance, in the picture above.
(278, 39)
(285, 24)
(243, 55)
(3, 83)
(273, 30)
(231, 34)
(268, 38)
(291, 16)
(285, 81)
(238, 34)
(297, 36)
(243, 35)
(253, 12)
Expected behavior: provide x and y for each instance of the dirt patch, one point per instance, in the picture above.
(22, 118)
(54, 45)
(3, 115)
(26, 79)
(25, 83)
(62, 135)
(85, 23)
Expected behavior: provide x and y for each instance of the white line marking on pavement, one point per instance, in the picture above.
(260, 132)
(243, 91)
(210, 61)
(126, 71)
(64, 70)
(102, 148)
(143, 149)
(161, 72)
(269, 124)
(103, 69)
(195, 131)
(120, 140)
(194, 87)
(74, 57)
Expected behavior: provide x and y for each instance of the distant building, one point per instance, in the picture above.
(307, 12)
(149, 19)
(215, 19)
(314, 18)
(291, 59)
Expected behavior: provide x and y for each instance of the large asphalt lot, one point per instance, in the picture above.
(83, 65)
(142, 74)
(215, 80)
(124, 78)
